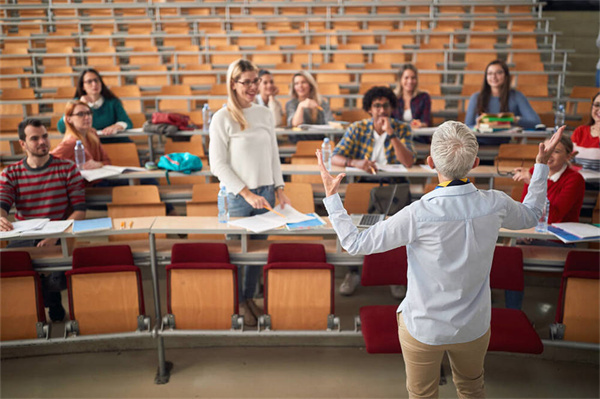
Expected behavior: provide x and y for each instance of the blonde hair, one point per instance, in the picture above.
(235, 70)
(89, 139)
(314, 89)
(406, 67)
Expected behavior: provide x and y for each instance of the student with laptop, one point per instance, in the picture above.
(450, 235)
(371, 143)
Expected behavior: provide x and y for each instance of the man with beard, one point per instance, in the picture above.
(41, 186)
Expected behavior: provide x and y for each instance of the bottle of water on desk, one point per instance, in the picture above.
(205, 118)
(326, 153)
(559, 116)
(542, 226)
(223, 206)
(79, 154)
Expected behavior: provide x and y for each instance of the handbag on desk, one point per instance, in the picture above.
(182, 122)
(183, 162)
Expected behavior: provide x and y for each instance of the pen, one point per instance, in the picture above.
(370, 167)
(274, 211)
(122, 225)
(319, 108)
(131, 224)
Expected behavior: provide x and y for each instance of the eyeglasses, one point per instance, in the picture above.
(505, 173)
(385, 106)
(248, 83)
(596, 105)
(90, 81)
(497, 73)
(82, 114)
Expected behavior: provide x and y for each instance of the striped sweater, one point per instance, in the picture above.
(52, 191)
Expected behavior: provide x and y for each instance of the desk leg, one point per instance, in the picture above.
(491, 182)
(244, 243)
(150, 148)
(163, 374)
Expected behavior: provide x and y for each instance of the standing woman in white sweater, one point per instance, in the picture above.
(244, 156)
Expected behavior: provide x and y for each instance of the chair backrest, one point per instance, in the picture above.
(301, 195)
(105, 290)
(201, 286)
(122, 154)
(357, 197)
(579, 264)
(299, 295)
(195, 146)
(147, 194)
(21, 302)
(515, 155)
(507, 269)
(296, 253)
(135, 201)
(385, 268)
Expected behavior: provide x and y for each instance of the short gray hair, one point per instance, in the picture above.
(454, 149)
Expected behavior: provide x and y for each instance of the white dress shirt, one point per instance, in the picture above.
(450, 235)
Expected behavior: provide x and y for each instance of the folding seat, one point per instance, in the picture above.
(577, 311)
(184, 59)
(268, 60)
(51, 82)
(511, 330)
(200, 79)
(15, 61)
(201, 288)
(307, 54)
(145, 59)
(285, 79)
(176, 105)
(337, 77)
(105, 292)
(104, 59)
(11, 82)
(585, 93)
(378, 322)
(299, 289)
(59, 60)
(356, 57)
(135, 201)
(22, 311)
(218, 58)
(160, 78)
(357, 197)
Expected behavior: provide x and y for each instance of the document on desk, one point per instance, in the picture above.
(24, 225)
(575, 232)
(271, 220)
(392, 168)
(107, 171)
(52, 227)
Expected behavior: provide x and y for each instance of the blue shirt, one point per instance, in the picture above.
(450, 235)
(517, 104)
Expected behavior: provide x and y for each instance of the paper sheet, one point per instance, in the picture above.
(107, 171)
(270, 220)
(24, 225)
(581, 230)
(52, 227)
(392, 168)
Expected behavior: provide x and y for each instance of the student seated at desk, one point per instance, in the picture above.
(267, 90)
(497, 96)
(41, 186)
(414, 106)
(586, 139)
(108, 112)
(306, 106)
(378, 140)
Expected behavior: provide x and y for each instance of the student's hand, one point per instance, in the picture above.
(254, 200)
(366, 165)
(47, 242)
(309, 103)
(283, 199)
(521, 174)
(547, 148)
(415, 124)
(275, 91)
(331, 184)
(112, 129)
(5, 225)
(91, 164)
(386, 125)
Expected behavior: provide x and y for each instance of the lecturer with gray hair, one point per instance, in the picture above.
(450, 235)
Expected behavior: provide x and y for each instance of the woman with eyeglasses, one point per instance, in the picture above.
(244, 156)
(414, 106)
(497, 96)
(267, 90)
(306, 106)
(78, 122)
(109, 115)
(586, 139)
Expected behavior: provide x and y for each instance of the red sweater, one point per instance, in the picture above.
(582, 137)
(565, 196)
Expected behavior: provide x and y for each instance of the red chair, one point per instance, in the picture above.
(577, 312)
(378, 322)
(511, 330)
(299, 289)
(202, 288)
(22, 314)
(105, 292)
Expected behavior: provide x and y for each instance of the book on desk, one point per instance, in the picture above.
(108, 171)
(92, 225)
(575, 232)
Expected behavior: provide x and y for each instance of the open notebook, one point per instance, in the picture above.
(369, 219)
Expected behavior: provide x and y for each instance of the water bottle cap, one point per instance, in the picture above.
(326, 140)
(205, 106)
(78, 142)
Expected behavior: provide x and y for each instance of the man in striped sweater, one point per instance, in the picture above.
(41, 186)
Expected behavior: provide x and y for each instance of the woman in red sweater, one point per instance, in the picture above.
(566, 186)
(586, 139)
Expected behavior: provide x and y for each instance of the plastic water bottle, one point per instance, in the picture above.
(223, 206)
(542, 226)
(326, 153)
(79, 154)
(205, 118)
(559, 116)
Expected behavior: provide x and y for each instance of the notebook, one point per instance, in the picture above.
(369, 219)
(89, 225)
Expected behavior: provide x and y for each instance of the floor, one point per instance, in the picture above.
(253, 368)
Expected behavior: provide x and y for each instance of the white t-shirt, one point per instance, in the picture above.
(247, 157)
(379, 148)
(407, 116)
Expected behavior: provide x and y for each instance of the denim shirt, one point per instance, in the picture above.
(450, 235)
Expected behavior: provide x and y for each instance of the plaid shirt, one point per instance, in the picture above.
(357, 142)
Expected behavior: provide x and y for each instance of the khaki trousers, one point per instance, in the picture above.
(423, 364)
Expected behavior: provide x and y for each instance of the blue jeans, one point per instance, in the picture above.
(238, 207)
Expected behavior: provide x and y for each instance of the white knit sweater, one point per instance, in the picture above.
(248, 158)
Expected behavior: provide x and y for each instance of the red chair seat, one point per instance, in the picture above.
(512, 332)
(380, 328)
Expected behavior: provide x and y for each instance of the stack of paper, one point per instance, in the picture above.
(36, 228)
(271, 220)
(107, 171)
(575, 232)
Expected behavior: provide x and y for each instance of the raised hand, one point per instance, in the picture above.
(331, 184)
(547, 148)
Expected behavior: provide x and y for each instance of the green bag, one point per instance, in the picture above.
(182, 162)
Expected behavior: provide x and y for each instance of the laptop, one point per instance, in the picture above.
(366, 220)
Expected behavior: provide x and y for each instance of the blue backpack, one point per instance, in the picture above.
(183, 162)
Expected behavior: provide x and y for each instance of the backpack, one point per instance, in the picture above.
(183, 162)
(182, 122)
